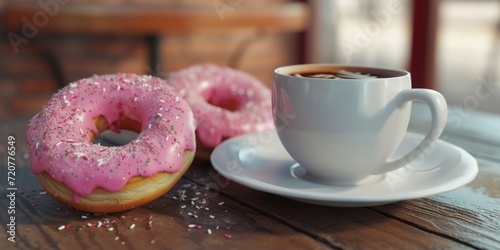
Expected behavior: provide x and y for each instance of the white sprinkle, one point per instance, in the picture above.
(116, 238)
(209, 231)
(84, 217)
(59, 143)
(162, 100)
(195, 198)
(100, 161)
(183, 206)
(110, 229)
(103, 89)
(118, 88)
(38, 144)
(73, 85)
(99, 224)
(88, 224)
(81, 131)
(61, 227)
(191, 225)
(96, 83)
(71, 92)
(176, 99)
(123, 242)
(43, 192)
(212, 217)
(136, 141)
(79, 117)
(158, 114)
(132, 226)
(79, 154)
(135, 99)
(149, 126)
(221, 203)
(65, 100)
(166, 138)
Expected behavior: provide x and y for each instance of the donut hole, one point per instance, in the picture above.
(110, 138)
(228, 103)
(129, 130)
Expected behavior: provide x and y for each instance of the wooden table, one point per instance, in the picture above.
(206, 211)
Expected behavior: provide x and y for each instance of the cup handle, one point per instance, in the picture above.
(439, 113)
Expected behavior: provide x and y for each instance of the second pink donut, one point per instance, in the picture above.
(225, 102)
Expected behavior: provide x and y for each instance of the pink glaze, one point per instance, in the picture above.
(206, 86)
(59, 142)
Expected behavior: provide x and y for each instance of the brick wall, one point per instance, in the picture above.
(27, 78)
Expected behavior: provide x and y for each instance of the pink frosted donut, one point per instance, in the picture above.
(97, 178)
(225, 102)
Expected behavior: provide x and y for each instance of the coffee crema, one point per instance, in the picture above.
(340, 74)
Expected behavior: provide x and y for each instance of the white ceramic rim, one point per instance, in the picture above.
(287, 70)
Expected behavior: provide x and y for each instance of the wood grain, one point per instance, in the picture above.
(38, 225)
(469, 214)
(337, 227)
(232, 225)
(181, 219)
(243, 218)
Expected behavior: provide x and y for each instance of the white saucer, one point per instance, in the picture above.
(259, 161)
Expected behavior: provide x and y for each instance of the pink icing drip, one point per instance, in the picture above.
(58, 136)
(200, 83)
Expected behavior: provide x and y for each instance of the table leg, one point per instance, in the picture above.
(154, 56)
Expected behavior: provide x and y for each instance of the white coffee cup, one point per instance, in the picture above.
(342, 131)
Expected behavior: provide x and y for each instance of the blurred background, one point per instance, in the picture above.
(452, 46)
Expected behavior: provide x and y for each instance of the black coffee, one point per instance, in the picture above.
(336, 74)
